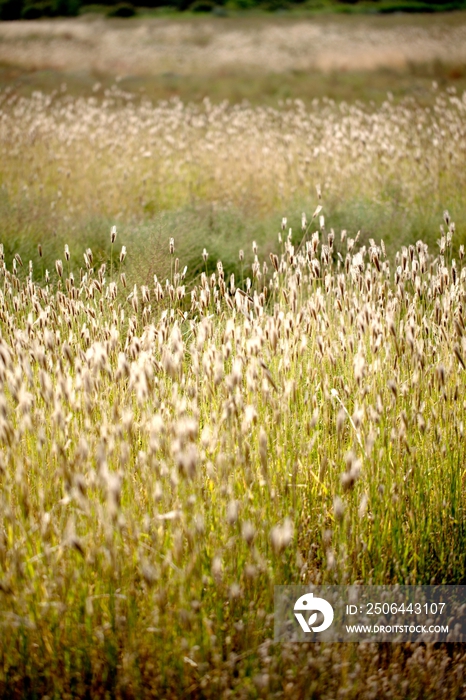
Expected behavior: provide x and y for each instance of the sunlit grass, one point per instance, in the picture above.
(171, 454)
(210, 400)
(74, 166)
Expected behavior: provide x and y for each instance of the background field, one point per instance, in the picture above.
(367, 61)
(287, 408)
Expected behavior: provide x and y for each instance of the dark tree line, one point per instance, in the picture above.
(34, 9)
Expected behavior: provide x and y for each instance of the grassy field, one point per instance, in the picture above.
(232, 356)
(171, 452)
(252, 46)
(219, 175)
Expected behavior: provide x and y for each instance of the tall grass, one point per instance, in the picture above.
(171, 451)
(194, 409)
(221, 174)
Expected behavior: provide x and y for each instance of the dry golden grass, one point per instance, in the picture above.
(208, 46)
(113, 158)
(288, 409)
(170, 452)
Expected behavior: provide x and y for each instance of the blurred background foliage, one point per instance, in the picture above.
(35, 9)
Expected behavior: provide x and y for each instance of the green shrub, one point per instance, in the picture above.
(123, 9)
(48, 8)
(414, 6)
(408, 7)
(39, 9)
(66, 8)
(244, 4)
(275, 5)
(153, 4)
(202, 6)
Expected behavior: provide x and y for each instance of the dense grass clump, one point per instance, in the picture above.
(173, 450)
